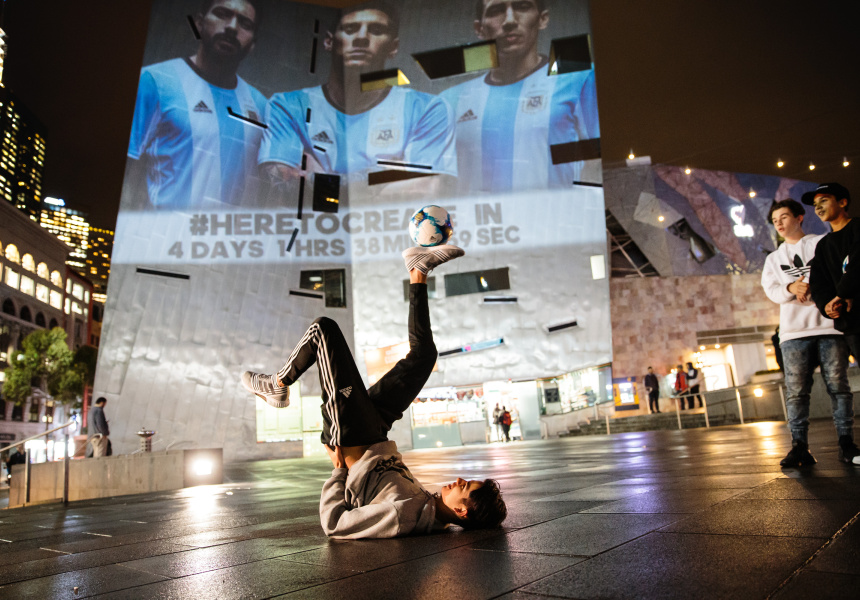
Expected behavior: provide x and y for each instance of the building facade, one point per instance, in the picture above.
(38, 291)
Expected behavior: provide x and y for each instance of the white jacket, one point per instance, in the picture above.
(789, 263)
(377, 498)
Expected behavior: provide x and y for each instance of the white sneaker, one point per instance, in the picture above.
(427, 259)
(267, 388)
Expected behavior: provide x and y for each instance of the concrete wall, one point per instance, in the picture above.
(101, 477)
(655, 319)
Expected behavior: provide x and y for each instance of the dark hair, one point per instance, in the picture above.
(485, 508)
(479, 8)
(100, 400)
(794, 206)
(206, 6)
(390, 9)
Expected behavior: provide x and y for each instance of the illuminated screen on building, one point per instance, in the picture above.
(263, 145)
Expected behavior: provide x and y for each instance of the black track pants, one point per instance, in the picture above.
(352, 414)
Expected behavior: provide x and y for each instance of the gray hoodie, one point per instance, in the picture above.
(377, 498)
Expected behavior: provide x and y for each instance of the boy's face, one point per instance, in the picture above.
(828, 208)
(363, 39)
(455, 494)
(785, 223)
(514, 24)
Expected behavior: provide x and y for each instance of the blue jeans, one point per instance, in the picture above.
(800, 357)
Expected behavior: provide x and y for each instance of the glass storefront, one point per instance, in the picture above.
(575, 390)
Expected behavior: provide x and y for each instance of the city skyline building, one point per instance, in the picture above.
(98, 261)
(69, 225)
(22, 155)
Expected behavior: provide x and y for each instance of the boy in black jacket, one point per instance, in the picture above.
(834, 278)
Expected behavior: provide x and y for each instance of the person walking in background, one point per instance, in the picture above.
(497, 415)
(680, 385)
(506, 421)
(98, 424)
(693, 385)
(808, 340)
(652, 386)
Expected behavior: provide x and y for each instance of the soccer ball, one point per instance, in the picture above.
(430, 226)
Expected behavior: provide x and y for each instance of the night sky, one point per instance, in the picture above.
(730, 85)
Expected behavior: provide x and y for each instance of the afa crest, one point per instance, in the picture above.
(385, 136)
(533, 104)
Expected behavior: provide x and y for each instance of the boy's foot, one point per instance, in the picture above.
(427, 259)
(848, 450)
(268, 388)
(798, 456)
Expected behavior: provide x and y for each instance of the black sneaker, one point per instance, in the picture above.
(799, 456)
(848, 450)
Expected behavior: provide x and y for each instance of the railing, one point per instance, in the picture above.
(66, 459)
(737, 398)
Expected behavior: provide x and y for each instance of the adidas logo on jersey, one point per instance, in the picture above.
(322, 137)
(797, 269)
(346, 391)
(467, 116)
(201, 107)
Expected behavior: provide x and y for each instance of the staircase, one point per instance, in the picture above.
(689, 420)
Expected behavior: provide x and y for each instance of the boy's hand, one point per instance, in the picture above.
(800, 289)
(834, 308)
(336, 456)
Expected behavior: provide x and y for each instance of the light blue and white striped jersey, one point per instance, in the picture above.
(407, 126)
(504, 132)
(196, 155)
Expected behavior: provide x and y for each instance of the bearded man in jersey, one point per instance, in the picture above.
(343, 130)
(507, 119)
(194, 152)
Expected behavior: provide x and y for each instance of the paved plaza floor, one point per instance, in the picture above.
(668, 514)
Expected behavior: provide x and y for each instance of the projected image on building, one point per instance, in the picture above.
(277, 151)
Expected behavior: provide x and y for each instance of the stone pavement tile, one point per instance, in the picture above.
(460, 573)
(661, 565)
(667, 501)
(15, 554)
(89, 582)
(578, 535)
(703, 482)
(525, 514)
(261, 579)
(236, 534)
(63, 563)
(795, 518)
(367, 555)
(606, 492)
(842, 555)
(199, 560)
(820, 471)
(821, 586)
(807, 489)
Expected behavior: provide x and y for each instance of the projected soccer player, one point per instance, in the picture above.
(194, 153)
(343, 130)
(371, 493)
(507, 120)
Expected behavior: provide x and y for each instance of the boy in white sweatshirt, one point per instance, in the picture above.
(807, 339)
(371, 493)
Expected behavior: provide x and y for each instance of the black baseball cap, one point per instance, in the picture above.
(840, 191)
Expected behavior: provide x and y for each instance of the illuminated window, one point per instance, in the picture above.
(42, 292)
(12, 278)
(56, 279)
(78, 291)
(67, 306)
(28, 263)
(28, 286)
(12, 254)
(56, 299)
(42, 271)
